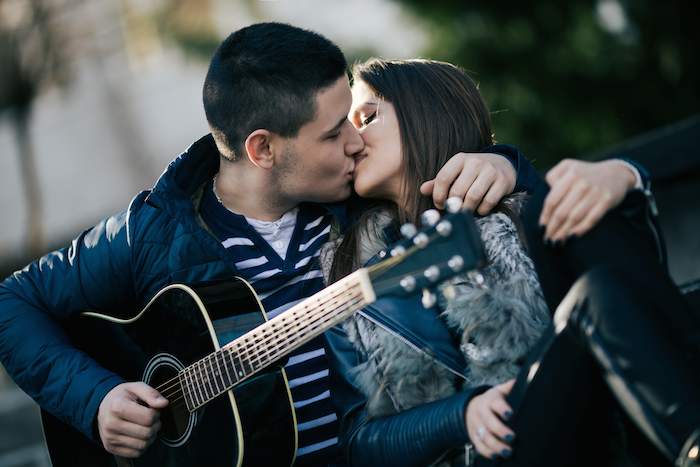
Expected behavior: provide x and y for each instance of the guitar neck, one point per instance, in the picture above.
(220, 371)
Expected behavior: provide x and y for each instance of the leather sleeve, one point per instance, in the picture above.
(527, 177)
(415, 437)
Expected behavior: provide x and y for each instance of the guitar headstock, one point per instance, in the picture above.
(444, 247)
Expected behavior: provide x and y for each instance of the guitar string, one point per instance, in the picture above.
(291, 334)
(180, 395)
(257, 344)
(181, 398)
(328, 296)
(244, 351)
(326, 317)
(383, 265)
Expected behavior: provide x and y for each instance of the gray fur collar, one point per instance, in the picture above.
(498, 321)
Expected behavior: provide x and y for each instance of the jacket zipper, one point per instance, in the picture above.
(412, 345)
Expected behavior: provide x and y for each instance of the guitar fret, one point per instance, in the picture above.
(250, 352)
(227, 382)
(264, 354)
(244, 358)
(213, 375)
(240, 370)
(205, 372)
(232, 352)
(201, 382)
(257, 359)
(187, 389)
(195, 383)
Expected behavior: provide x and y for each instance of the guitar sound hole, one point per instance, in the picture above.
(176, 420)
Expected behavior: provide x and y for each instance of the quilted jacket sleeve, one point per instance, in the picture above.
(94, 272)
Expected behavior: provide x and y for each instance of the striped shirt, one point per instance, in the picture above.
(281, 281)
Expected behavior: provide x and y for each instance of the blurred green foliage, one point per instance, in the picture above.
(188, 24)
(558, 81)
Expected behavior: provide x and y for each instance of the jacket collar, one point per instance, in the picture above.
(185, 176)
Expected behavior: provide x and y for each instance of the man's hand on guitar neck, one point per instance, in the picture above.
(128, 419)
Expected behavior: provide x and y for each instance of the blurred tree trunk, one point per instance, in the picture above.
(31, 183)
(33, 55)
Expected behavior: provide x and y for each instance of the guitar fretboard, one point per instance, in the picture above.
(215, 374)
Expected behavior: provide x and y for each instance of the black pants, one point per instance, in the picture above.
(623, 338)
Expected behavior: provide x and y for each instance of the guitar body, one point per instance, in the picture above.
(250, 425)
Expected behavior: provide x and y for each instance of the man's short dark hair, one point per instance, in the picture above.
(266, 76)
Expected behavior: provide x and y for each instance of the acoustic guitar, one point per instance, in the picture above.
(211, 351)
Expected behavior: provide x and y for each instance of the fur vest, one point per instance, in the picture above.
(498, 319)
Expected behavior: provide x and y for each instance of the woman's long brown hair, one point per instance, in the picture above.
(440, 112)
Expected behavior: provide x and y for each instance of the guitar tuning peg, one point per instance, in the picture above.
(408, 283)
(456, 263)
(444, 228)
(432, 273)
(429, 299)
(454, 204)
(408, 230)
(430, 217)
(397, 251)
(421, 240)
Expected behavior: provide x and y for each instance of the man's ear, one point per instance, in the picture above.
(258, 148)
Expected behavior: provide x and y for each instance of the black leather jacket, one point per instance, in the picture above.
(418, 436)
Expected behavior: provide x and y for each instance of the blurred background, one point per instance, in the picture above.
(97, 96)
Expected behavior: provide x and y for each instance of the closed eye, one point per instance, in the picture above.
(367, 120)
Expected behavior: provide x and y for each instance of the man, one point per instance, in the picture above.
(251, 199)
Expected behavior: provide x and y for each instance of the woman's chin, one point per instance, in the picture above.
(363, 190)
(358, 188)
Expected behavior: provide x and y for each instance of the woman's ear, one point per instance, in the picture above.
(257, 147)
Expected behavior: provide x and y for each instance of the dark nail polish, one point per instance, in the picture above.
(508, 438)
(506, 453)
(507, 415)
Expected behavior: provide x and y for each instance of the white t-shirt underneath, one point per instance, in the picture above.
(277, 233)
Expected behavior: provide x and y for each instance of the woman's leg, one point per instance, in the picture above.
(621, 320)
(623, 240)
(562, 409)
(645, 336)
(606, 332)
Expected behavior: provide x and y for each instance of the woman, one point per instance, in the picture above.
(413, 386)
(492, 325)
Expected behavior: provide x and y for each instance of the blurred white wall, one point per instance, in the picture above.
(113, 130)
